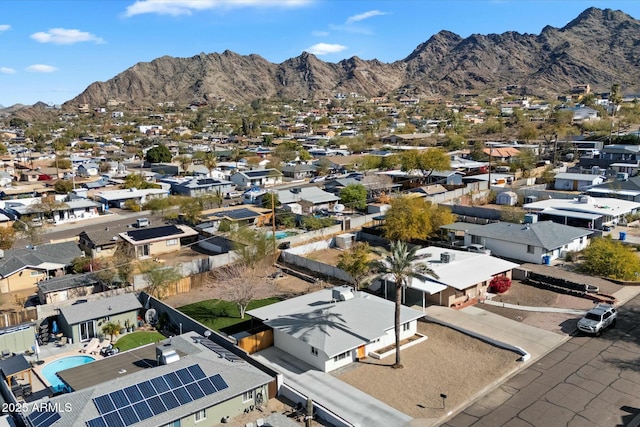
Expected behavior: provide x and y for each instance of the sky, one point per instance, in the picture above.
(51, 51)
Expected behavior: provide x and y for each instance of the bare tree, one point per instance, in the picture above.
(241, 284)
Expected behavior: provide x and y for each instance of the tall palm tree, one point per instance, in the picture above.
(402, 263)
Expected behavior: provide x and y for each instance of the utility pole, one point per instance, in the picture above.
(273, 225)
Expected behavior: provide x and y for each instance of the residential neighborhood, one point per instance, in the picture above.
(324, 268)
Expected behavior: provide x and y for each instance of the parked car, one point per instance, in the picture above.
(318, 178)
(232, 194)
(479, 249)
(598, 318)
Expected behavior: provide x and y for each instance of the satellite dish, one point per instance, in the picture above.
(338, 207)
(151, 316)
(207, 333)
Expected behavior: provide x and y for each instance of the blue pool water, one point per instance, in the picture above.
(50, 369)
(281, 234)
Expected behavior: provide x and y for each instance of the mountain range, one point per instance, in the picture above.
(599, 47)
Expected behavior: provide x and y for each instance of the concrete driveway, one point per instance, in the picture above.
(348, 402)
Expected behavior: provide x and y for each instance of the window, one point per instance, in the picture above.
(476, 240)
(36, 273)
(341, 356)
(200, 415)
(247, 396)
(405, 327)
(314, 351)
(172, 242)
(176, 423)
(531, 249)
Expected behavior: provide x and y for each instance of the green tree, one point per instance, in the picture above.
(411, 218)
(528, 132)
(606, 257)
(157, 204)
(158, 154)
(159, 277)
(209, 160)
(354, 196)
(355, 262)
(615, 97)
(402, 263)
(253, 246)
(63, 186)
(132, 205)
(526, 160)
(110, 328)
(425, 161)
(191, 210)
(269, 198)
(184, 162)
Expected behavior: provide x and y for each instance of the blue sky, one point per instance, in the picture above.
(51, 51)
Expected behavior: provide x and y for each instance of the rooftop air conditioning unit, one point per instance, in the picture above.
(165, 355)
(445, 257)
(342, 293)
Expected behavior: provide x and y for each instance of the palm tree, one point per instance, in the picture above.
(110, 329)
(402, 263)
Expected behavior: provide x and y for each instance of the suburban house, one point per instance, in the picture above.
(88, 170)
(155, 241)
(71, 210)
(582, 113)
(257, 178)
(118, 198)
(583, 211)
(334, 327)
(536, 242)
(22, 191)
(623, 189)
(235, 216)
(198, 186)
(502, 154)
(22, 269)
(610, 154)
(67, 287)
(304, 200)
(299, 171)
(84, 321)
(576, 181)
(462, 277)
(185, 380)
(100, 243)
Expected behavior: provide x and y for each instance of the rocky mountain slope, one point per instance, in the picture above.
(599, 47)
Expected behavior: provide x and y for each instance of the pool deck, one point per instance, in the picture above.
(49, 353)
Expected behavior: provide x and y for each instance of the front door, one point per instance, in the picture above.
(87, 330)
(361, 352)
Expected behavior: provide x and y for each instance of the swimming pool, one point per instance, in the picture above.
(281, 234)
(50, 369)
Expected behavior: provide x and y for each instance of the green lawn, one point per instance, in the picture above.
(218, 314)
(137, 339)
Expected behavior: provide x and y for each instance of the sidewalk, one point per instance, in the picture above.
(538, 309)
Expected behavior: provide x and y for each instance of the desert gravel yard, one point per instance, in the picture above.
(447, 362)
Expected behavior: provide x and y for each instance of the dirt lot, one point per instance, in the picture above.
(447, 362)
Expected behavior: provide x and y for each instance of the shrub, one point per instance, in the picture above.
(499, 284)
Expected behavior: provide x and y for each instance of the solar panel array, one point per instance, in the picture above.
(223, 352)
(153, 397)
(43, 418)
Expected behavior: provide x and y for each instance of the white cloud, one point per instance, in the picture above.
(187, 7)
(363, 16)
(64, 36)
(7, 70)
(4, 27)
(325, 48)
(41, 68)
(320, 33)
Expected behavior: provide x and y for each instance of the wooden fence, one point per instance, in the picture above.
(187, 284)
(12, 318)
(256, 342)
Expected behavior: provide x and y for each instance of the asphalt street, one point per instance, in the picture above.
(587, 381)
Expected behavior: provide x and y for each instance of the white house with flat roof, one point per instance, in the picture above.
(335, 327)
(117, 198)
(576, 181)
(611, 211)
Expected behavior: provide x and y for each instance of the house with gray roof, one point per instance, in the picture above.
(195, 187)
(67, 287)
(531, 242)
(101, 243)
(620, 189)
(84, 321)
(334, 327)
(21, 269)
(257, 178)
(577, 181)
(306, 199)
(197, 385)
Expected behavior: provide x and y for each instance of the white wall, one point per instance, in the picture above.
(299, 349)
(518, 251)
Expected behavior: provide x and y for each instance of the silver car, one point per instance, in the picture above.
(598, 318)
